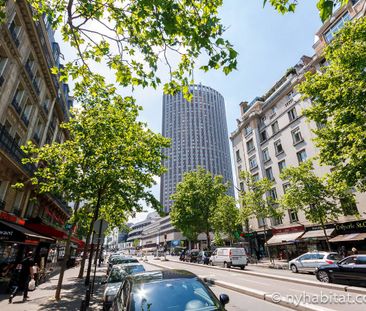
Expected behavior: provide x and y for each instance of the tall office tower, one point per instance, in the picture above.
(199, 135)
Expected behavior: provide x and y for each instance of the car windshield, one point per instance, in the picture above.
(334, 257)
(173, 295)
(134, 269)
(116, 276)
(120, 260)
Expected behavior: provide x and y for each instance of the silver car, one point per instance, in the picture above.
(115, 279)
(308, 262)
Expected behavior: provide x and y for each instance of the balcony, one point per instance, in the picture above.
(10, 146)
(16, 105)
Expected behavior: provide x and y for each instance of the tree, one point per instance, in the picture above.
(133, 38)
(325, 7)
(317, 197)
(225, 218)
(338, 96)
(136, 243)
(256, 201)
(195, 201)
(110, 161)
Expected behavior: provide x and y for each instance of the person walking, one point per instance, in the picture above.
(354, 251)
(25, 270)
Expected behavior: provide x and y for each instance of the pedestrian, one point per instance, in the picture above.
(25, 275)
(36, 273)
(354, 251)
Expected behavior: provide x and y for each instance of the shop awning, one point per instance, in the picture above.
(284, 238)
(47, 230)
(349, 237)
(318, 234)
(13, 232)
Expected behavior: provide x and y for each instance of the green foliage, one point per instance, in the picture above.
(255, 201)
(318, 197)
(225, 219)
(325, 7)
(338, 96)
(195, 201)
(109, 161)
(136, 243)
(134, 37)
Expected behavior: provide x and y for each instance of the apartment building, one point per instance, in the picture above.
(273, 134)
(33, 104)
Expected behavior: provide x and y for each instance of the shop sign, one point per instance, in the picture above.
(287, 230)
(6, 235)
(351, 227)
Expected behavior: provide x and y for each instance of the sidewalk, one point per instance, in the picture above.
(73, 292)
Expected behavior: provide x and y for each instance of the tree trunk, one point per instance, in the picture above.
(85, 252)
(208, 240)
(265, 241)
(67, 255)
(326, 236)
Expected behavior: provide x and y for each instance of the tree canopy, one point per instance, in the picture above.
(195, 202)
(321, 200)
(338, 96)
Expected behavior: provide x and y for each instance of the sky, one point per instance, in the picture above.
(268, 44)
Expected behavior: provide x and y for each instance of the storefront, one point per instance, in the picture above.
(315, 239)
(285, 243)
(15, 242)
(349, 235)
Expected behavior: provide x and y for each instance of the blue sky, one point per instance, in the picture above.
(268, 43)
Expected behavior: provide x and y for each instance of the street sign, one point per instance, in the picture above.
(100, 225)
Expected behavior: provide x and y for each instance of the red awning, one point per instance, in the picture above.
(81, 243)
(47, 230)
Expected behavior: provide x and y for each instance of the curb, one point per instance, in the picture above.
(271, 298)
(345, 288)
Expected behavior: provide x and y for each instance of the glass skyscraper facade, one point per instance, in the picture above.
(199, 137)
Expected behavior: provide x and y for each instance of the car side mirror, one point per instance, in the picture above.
(224, 299)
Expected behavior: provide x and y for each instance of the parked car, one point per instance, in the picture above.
(308, 262)
(166, 290)
(204, 257)
(115, 279)
(120, 260)
(350, 270)
(191, 255)
(229, 257)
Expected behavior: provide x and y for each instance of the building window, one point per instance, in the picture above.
(256, 177)
(237, 154)
(320, 125)
(293, 215)
(285, 186)
(248, 130)
(329, 35)
(263, 136)
(292, 115)
(281, 165)
(301, 156)
(253, 162)
(278, 147)
(261, 222)
(239, 170)
(17, 203)
(272, 193)
(250, 145)
(266, 156)
(275, 221)
(3, 63)
(296, 136)
(269, 173)
(241, 185)
(15, 29)
(275, 127)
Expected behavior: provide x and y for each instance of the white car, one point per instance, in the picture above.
(308, 262)
(229, 257)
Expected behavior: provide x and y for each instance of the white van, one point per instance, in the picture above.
(229, 257)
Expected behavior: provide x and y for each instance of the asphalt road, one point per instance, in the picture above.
(308, 294)
(238, 302)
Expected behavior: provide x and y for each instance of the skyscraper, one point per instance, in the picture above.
(199, 135)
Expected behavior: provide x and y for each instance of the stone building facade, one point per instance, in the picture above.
(273, 134)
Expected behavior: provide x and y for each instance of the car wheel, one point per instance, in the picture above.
(323, 276)
(210, 263)
(242, 267)
(294, 269)
(226, 265)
